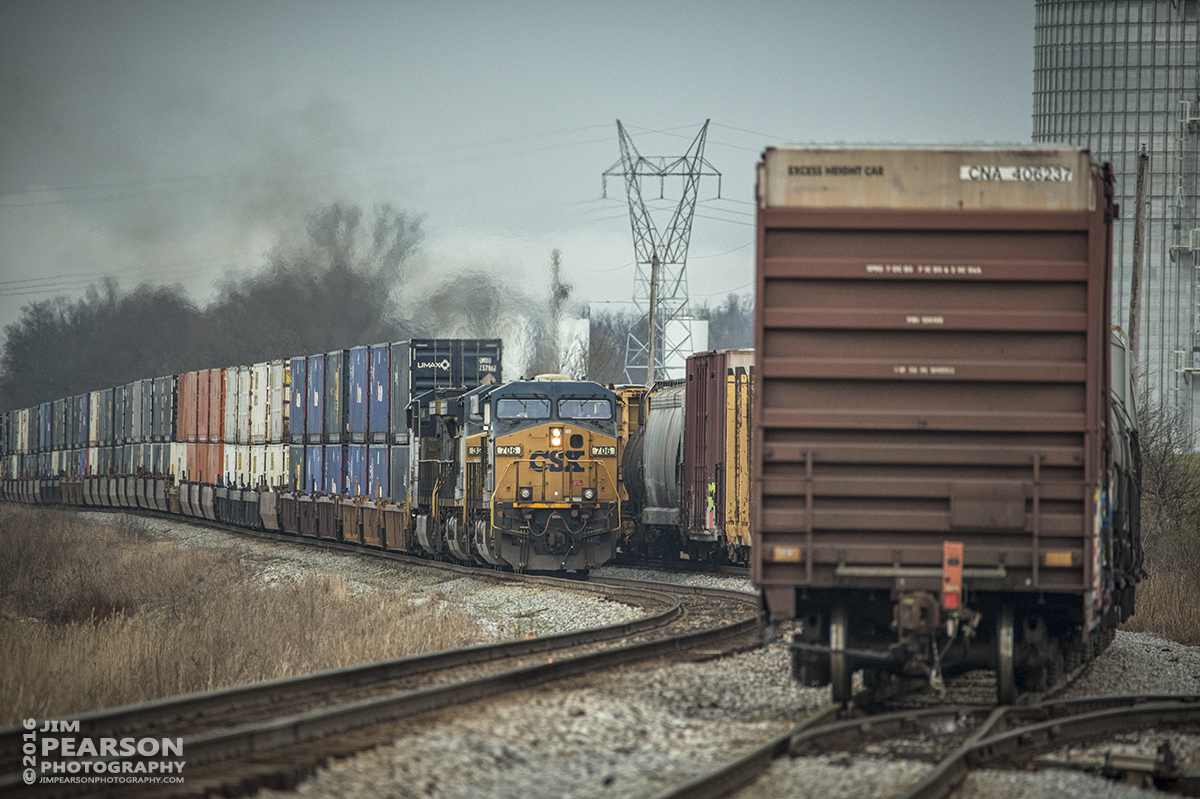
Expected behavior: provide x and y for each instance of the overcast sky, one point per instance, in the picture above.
(174, 142)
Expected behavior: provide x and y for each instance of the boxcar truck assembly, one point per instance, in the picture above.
(934, 464)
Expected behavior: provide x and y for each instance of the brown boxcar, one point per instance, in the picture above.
(932, 412)
(716, 450)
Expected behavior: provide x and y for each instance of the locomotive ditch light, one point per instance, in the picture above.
(589, 495)
(525, 493)
(556, 436)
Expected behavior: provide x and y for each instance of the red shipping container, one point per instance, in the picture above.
(216, 405)
(185, 408)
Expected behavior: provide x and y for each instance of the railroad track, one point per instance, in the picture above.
(238, 739)
(958, 738)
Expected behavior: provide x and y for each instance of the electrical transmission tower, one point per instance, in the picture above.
(662, 334)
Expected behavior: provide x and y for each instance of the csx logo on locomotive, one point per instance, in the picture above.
(552, 461)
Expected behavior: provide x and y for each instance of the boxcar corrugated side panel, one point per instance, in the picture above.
(932, 339)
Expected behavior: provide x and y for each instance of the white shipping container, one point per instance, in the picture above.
(256, 472)
(243, 400)
(231, 405)
(94, 416)
(244, 464)
(229, 465)
(260, 398)
(23, 431)
(93, 460)
(178, 460)
(277, 464)
(279, 404)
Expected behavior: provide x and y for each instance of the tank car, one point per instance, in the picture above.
(942, 480)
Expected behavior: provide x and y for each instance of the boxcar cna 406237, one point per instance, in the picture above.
(933, 412)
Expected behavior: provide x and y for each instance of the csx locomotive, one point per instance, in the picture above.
(532, 482)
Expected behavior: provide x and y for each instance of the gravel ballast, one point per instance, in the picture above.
(638, 731)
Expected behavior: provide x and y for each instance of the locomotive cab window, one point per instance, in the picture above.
(523, 408)
(584, 409)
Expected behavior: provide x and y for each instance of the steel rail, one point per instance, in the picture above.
(216, 747)
(1052, 722)
(1065, 720)
(266, 695)
(200, 708)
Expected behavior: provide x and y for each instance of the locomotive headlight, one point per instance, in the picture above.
(589, 494)
(525, 493)
(556, 436)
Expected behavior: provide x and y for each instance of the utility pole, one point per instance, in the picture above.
(1135, 279)
(660, 292)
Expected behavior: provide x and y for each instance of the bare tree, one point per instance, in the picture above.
(730, 323)
(59, 348)
(336, 290)
(606, 346)
(1170, 476)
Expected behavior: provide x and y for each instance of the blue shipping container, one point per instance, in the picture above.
(337, 383)
(334, 470)
(314, 469)
(315, 400)
(358, 398)
(381, 394)
(378, 484)
(356, 470)
(296, 466)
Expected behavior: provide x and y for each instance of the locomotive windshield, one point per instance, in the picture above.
(585, 409)
(523, 408)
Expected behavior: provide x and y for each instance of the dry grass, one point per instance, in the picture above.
(1168, 599)
(96, 615)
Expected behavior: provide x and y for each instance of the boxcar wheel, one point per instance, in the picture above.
(840, 671)
(1006, 679)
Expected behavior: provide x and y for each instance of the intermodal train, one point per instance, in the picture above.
(417, 446)
(945, 446)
